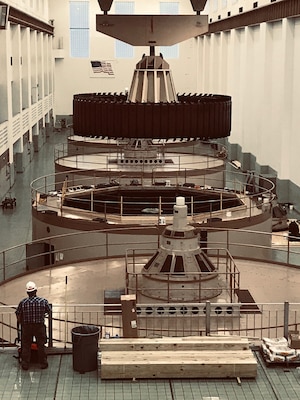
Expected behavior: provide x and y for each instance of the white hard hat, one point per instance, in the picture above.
(30, 287)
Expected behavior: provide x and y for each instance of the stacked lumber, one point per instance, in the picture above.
(177, 357)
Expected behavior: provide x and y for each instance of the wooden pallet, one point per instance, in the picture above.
(193, 357)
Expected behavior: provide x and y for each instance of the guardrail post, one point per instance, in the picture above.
(207, 318)
(286, 320)
(227, 240)
(92, 200)
(4, 268)
(50, 328)
(106, 244)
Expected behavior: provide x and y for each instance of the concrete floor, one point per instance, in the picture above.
(86, 282)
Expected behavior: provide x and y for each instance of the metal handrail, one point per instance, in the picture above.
(254, 321)
(14, 261)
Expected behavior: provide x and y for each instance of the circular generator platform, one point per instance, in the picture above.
(135, 200)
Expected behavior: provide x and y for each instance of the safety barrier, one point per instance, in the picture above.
(269, 320)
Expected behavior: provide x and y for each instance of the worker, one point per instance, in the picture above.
(31, 313)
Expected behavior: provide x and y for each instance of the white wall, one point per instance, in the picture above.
(26, 89)
(259, 67)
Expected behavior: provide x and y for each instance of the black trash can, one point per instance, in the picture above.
(85, 348)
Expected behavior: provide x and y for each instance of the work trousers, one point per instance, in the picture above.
(28, 332)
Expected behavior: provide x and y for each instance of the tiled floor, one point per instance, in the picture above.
(60, 381)
(15, 224)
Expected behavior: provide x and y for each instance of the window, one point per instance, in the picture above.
(167, 264)
(170, 8)
(3, 16)
(124, 50)
(170, 51)
(179, 267)
(79, 29)
(202, 266)
(178, 234)
(150, 262)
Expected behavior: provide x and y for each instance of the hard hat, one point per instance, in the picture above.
(30, 287)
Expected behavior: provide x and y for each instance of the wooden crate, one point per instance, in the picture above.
(193, 357)
(176, 343)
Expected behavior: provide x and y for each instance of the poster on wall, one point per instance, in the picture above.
(101, 69)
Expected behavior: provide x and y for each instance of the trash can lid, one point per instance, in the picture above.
(85, 330)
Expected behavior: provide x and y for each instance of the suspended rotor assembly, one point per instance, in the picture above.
(152, 108)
